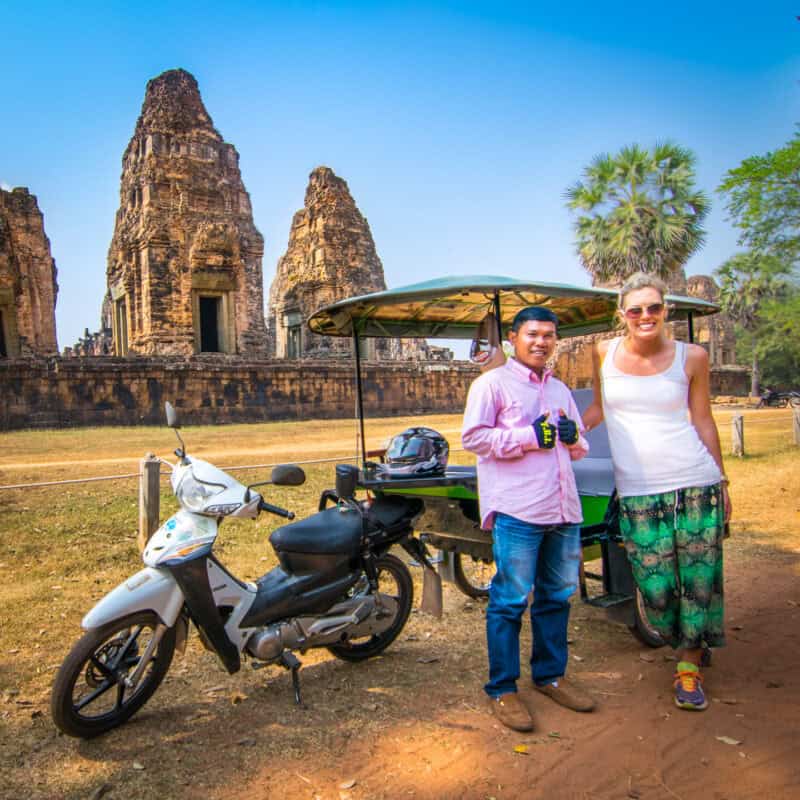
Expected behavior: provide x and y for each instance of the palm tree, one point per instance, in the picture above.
(638, 211)
(747, 281)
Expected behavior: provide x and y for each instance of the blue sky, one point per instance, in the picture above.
(458, 126)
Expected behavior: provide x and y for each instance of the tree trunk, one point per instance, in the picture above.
(754, 387)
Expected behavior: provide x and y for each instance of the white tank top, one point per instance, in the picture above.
(654, 446)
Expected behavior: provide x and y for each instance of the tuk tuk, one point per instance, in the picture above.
(460, 307)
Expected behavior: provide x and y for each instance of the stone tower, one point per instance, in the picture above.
(28, 287)
(330, 256)
(184, 265)
(716, 333)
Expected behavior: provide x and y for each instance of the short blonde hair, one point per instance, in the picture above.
(642, 280)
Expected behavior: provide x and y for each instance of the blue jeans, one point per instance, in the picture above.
(545, 558)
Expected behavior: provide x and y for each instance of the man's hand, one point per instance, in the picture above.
(545, 432)
(567, 428)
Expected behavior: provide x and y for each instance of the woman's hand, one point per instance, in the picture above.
(726, 503)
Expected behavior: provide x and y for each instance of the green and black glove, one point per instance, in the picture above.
(567, 428)
(545, 432)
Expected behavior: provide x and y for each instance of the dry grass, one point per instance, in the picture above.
(62, 548)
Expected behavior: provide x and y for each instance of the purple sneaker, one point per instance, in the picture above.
(689, 693)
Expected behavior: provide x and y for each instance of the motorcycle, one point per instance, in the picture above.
(772, 399)
(336, 586)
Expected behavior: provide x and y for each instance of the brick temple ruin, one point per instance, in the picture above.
(184, 265)
(28, 287)
(330, 256)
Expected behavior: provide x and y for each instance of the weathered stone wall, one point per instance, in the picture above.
(28, 287)
(716, 332)
(206, 389)
(184, 234)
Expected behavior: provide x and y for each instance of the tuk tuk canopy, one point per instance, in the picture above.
(454, 306)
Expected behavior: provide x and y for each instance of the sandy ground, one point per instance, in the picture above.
(637, 744)
(413, 723)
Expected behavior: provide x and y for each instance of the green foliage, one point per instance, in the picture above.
(638, 210)
(748, 280)
(763, 199)
(760, 293)
(776, 340)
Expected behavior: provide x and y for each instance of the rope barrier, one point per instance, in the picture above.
(335, 459)
(74, 480)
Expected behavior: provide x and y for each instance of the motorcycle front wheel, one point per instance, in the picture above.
(90, 694)
(394, 580)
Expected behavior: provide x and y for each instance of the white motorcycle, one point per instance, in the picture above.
(336, 587)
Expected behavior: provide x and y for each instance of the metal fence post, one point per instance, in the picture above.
(796, 424)
(149, 498)
(737, 434)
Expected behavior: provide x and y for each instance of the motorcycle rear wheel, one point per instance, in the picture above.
(642, 628)
(394, 579)
(473, 576)
(89, 694)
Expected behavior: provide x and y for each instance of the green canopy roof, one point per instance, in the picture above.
(452, 308)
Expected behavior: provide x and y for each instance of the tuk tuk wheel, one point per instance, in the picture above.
(641, 628)
(473, 576)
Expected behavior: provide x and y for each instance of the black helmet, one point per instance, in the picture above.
(415, 451)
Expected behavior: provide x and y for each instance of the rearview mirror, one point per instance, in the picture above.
(288, 475)
(172, 415)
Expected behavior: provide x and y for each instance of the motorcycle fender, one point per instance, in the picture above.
(148, 590)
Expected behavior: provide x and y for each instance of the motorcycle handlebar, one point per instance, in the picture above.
(280, 512)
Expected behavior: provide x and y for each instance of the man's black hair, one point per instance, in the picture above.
(532, 313)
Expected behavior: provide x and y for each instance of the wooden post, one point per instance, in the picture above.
(796, 424)
(149, 498)
(737, 435)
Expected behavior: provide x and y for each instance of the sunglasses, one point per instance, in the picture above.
(634, 312)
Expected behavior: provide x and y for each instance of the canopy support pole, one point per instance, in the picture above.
(359, 396)
(690, 321)
(497, 317)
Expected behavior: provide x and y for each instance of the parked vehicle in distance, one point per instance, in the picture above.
(773, 399)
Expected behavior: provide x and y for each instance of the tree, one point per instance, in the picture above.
(749, 282)
(638, 210)
(777, 340)
(763, 199)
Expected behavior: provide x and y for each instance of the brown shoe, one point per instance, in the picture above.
(568, 694)
(509, 709)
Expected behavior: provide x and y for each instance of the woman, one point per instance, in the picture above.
(654, 395)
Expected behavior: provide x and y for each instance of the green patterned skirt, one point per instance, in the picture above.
(674, 544)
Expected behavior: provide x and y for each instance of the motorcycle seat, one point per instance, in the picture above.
(329, 532)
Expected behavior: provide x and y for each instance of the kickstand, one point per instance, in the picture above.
(292, 662)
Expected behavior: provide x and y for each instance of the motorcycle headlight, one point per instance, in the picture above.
(194, 495)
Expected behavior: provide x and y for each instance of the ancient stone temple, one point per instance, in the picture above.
(28, 287)
(184, 265)
(716, 333)
(330, 256)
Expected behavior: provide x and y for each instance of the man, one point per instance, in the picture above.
(523, 425)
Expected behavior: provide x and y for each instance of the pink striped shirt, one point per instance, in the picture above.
(514, 476)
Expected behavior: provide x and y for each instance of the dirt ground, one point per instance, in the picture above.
(413, 723)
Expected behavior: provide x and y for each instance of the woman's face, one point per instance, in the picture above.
(644, 312)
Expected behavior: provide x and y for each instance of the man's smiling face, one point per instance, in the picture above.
(534, 343)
